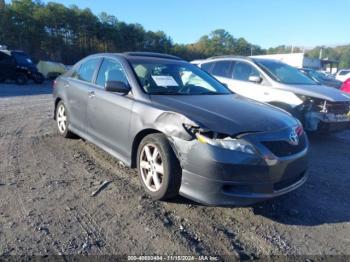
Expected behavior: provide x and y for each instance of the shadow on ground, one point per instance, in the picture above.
(9, 89)
(324, 198)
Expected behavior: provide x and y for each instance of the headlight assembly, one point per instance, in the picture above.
(228, 143)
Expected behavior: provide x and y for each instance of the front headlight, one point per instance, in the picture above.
(228, 143)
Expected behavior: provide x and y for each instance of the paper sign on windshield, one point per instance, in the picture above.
(164, 81)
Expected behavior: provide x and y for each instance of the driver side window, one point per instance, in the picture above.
(242, 71)
(110, 70)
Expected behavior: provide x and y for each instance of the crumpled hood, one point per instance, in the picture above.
(227, 114)
(318, 91)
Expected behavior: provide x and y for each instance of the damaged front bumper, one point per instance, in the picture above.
(217, 176)
(327, 122)
(325, 116)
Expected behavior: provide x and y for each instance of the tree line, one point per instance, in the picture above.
(55, 32)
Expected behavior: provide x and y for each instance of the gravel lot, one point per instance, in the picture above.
(46, 205)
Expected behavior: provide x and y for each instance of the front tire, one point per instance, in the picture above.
(62, 120)
(21, 79)
(158, 167)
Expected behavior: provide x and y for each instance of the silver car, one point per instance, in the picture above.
(183, 130)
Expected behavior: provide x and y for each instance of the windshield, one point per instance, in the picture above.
(175, 78)
(22, 59)
(318, 75)
(284, 73)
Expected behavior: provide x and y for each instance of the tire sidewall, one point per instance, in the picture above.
(166, 165)
(38, 78)
(21, 79)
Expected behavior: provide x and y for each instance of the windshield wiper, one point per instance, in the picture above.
(167, 93)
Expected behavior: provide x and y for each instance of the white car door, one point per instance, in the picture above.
(244, 80)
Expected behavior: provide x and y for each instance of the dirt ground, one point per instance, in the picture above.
(46, 205)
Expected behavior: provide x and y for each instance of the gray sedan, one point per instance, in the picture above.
(184, 131)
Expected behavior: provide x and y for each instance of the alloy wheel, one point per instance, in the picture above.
(61, 119)
(151, 167)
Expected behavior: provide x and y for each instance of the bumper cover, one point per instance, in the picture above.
(322, 122)
(216, 176)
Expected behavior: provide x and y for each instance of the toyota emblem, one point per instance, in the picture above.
(293, 138)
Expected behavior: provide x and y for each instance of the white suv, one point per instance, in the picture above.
(318, 107)
(343, 75)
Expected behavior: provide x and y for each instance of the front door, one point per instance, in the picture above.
(109, 113)
(239, 82)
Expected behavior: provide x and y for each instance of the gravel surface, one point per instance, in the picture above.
(47, 207)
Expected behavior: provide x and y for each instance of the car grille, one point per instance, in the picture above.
(283, 148)
(338, 108)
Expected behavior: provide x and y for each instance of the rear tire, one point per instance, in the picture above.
(62, 120)
(158, 167)
(21, 79)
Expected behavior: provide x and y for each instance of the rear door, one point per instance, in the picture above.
(78, 89)
(109, 113)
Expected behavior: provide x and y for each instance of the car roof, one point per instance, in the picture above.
(227, 57)
(145, 55)
(236, 57)
(11, 52)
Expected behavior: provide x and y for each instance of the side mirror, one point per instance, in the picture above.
(117, 87)
(255, 79)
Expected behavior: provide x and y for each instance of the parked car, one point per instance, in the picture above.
(320, 78)
(184, 131)
(319, 108)
(343, 75)
(346, 86)
(51, 70)
(17, 65)
(326, 73)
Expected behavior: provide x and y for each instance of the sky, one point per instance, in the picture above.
(268, 23)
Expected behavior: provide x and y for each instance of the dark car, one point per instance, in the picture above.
(183, 130)
(17, 66)
(321, 78)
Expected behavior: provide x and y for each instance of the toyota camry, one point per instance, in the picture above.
(184, 131)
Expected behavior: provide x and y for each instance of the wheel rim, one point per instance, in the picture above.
(151, 167)
(61, 119)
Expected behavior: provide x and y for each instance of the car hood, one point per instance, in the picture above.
(227, 114)
(318, 91)
(332, 83)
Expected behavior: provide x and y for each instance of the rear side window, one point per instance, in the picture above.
(343, 73)
(87, 69)
(110, 70)
(222, 68)
(242, 71)
(4, 58)
(207, 67)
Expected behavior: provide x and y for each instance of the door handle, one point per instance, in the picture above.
(91, 94)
